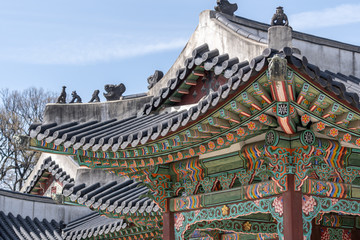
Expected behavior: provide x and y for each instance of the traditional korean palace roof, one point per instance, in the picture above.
(113, 199)
(225, 144)
(129, 139)
(48, 169)
(94, 226)
(16, 227)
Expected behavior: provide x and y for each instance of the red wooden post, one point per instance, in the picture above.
(168, 223)
(316, 232)
(292, 200)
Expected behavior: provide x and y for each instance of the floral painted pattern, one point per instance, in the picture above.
(347, 137)
(179, 220)
(211, 145)
(225, 210)
(333, 132)
(278, 206)
(220, 141)
(240, 131)
(305, 119)
(230, 137)
(308, 204)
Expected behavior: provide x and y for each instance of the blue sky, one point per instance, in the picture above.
(85, 44)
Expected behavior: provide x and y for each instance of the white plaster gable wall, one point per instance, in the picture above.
(41, 210)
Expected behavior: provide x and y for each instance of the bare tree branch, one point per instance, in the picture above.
(17, 111)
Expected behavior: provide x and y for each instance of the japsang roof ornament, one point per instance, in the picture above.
(62, 97)
(279, 18)
(224, 6)
(153, 79)
(114, 92)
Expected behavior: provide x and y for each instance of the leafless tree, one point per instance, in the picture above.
(19, 109)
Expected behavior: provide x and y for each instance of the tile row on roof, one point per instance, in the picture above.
(116, 197)
(129, 132)
(53, 168)
(12, 228)
(92, 226)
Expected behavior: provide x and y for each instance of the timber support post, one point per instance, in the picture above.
(168, 223)
(293, 222)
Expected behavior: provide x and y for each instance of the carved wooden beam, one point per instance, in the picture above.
(208, 128)
(332, 109)
(230, 116)
(346, 116)
(259, 90)
(239, 108)
(317, 102)
(175, 99)
(251, 100)
(185, 139)
(198, 73)
(183, 91)
(197, 134)
(190, 82)
(353, 125)
(218, 122)
(303, 93)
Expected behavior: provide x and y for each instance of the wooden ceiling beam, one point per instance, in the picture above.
(198, 73)
(230, 116)
(208, 128)
(218, 122)
(175, 99)
(249, 99)
(330, 110)
(262, 92)
(346, 116)
(190, 82)
(353, 125)
(183, 91)
(197, 134)
(239, 108)
(317, 102)
(305, 88)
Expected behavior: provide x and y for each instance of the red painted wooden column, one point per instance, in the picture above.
(292, 200)
(316, 232)
(168, 223)
(355, 233)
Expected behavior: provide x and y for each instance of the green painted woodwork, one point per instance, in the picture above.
(222, 197)
(355, 192)
(223, 163)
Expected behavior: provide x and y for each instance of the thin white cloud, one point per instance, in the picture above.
(340, 15)
(86, 52)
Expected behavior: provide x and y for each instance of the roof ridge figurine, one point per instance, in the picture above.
(62, 97)
(153, 79)
(279, 18)
(224, 6)
(75, 98)
(95, 96)
(114, 92)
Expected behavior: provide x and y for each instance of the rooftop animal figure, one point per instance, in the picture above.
(279, 18)
(95, 96)
(75, 98)
(62, 97)
(226, 7)
(114, 92)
